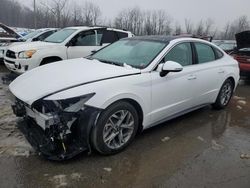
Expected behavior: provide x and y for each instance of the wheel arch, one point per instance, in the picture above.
(56, 58)
(136, 104)
(233, 81)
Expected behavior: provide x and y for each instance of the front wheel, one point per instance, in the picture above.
(115, 129)
(225, 95)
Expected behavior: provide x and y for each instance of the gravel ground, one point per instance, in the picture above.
(205, 148)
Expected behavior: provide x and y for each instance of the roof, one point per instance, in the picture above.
(96, 27)
(157, 38)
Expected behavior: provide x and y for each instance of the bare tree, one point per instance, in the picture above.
(91, 13)
(56, 7)
(188, 26)
(178, 29)
(208, 27)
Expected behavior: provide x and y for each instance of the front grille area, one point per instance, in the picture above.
(10, 54)
(10, 62)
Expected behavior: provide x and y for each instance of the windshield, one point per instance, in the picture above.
(31, 35)
(60, 36)
(136, 53)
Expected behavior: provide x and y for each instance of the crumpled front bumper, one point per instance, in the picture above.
(45, 146)
(52, 149)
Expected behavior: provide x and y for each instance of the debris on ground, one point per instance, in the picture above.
(107, 169)
(242, 102)
(165, 139)
(76, 176)
(200, 138)
(216, 146)
(239, 98)
(245, 156)
(59, 180)
(239, 107)
(22, 152)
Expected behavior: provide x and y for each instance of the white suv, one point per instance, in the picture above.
(68, 43)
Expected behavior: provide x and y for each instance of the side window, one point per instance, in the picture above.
(86, 38)
(121, 35)
(45, 35)
(109, 37)
(182, 53)
(218, 53)
(205, 53)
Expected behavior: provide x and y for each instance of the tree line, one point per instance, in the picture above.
(60, 13)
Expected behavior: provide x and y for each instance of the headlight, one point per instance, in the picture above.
(67, 105)
(26, 54)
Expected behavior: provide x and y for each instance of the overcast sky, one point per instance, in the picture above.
(221, 11)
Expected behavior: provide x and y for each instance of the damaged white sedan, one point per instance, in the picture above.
(102, 101)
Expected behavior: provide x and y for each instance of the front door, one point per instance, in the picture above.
(83, 44)
(175, 92)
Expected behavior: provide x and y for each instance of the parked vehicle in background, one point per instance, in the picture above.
(102, 101)
(227, 45)
(68, 43)
(7, 36)
(22, 31)
(242, 53)
(37, 35)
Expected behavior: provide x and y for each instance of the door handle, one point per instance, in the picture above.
(221, 72)
(192, 77)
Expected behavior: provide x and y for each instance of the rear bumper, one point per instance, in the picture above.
(244, 69)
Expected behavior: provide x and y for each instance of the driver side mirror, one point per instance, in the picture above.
(170, 66)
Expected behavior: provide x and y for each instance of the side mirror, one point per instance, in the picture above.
(170, 66)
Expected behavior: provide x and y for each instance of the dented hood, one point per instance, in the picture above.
(55, 77)
(243, 39)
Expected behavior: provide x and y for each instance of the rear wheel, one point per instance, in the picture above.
(115, 129)
(225, 95)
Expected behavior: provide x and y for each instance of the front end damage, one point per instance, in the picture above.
(58, 130)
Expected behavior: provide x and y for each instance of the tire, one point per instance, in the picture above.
(224, 95)
(121, 135)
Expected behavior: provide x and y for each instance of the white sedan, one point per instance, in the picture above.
(102, 101)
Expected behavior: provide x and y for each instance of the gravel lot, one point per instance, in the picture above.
(205, 148)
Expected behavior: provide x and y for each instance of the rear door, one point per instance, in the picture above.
(108, 37)
(209, 71)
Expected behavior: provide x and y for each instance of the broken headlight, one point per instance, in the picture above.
(66, 105)
(73, 104)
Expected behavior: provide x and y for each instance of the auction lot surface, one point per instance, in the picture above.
(205, 148)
